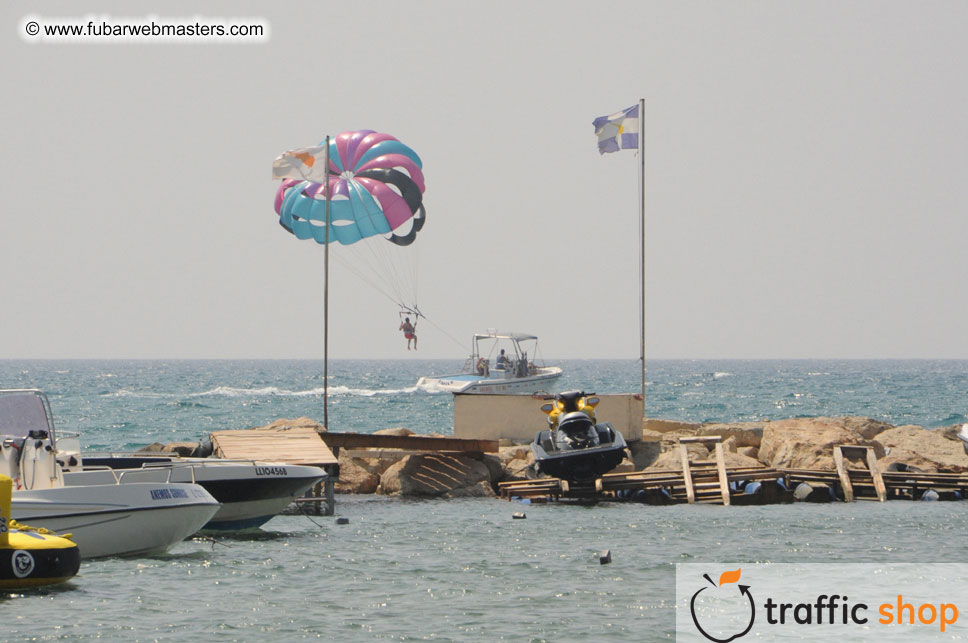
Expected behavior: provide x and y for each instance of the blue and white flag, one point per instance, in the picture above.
(619, 131)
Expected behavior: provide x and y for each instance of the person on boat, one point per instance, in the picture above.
(502, 360)
(410, 332)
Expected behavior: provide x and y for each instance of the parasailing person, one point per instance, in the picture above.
(409, 331)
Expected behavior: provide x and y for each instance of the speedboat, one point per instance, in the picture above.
(499, 363)
(119, 517)
(250, 492)
(576, 448)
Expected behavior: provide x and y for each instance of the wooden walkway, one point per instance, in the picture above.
(293, 445)
(296, 445)
(711, 482)
(407, 442)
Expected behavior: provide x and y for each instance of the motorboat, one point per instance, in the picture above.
(250, 492)
(499, 363)
(574, 447)
(119, 517)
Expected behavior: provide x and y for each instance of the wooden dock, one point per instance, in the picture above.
(292, 445)
(711, 482)
(336, 441)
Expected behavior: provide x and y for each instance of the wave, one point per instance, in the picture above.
(432, 386)
(266, 391)
(128, 393)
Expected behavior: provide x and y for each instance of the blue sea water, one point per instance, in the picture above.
(463, 569)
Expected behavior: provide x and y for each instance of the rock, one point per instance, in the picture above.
(514, 452)
(437, 475)
(667, 426)
(496, 472)
(521, 469)
(745, 434)
(154, 447)
(867, 428)
(951, 432)
(516, 462)
(807, 443)
(749, 452)
(181, 449)
(359, 475)
(930, 451)
(671, 460)
(302, 422)
(729, 444)
(644, 453)
(398, 431)
(625, 466)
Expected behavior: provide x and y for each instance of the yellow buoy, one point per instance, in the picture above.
(31, 557)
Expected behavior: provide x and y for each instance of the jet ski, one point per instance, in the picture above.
(574, 447)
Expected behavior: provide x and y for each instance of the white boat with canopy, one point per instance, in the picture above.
(499, 363)
(117, 518)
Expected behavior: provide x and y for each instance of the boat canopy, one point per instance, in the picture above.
(517, 337)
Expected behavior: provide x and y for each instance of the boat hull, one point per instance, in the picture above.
(480, 385)
(118, 519)
(579, 465)
(250, 493)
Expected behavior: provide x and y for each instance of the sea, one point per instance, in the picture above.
(462, 570)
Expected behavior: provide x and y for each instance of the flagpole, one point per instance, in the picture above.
(326, 300)
(642, 248)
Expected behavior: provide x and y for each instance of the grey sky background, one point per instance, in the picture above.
(805, 179)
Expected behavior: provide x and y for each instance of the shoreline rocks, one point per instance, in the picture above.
(794, 443)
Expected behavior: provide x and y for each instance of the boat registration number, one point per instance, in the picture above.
(270, 471)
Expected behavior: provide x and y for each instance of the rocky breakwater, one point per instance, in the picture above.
(427, 474)
(797, 443)
(805, 443)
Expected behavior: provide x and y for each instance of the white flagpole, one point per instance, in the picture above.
(642, 248)
(326, 299)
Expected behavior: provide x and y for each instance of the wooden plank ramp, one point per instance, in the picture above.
(842, 452)
(293, 445)
(705, 480)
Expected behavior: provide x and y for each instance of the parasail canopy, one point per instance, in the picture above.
(376, 187)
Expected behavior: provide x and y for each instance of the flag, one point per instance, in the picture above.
(619, 131)
(307, 164)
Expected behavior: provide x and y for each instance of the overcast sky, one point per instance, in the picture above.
(805, 179)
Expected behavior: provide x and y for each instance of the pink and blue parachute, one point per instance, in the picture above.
(376, 186)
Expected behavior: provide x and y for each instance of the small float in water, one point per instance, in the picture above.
(575, 447)
(31, 557)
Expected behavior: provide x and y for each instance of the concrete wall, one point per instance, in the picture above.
(519, 417)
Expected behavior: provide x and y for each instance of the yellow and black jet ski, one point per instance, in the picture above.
(575, 447)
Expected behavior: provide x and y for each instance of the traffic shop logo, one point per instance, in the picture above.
(731, 604)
